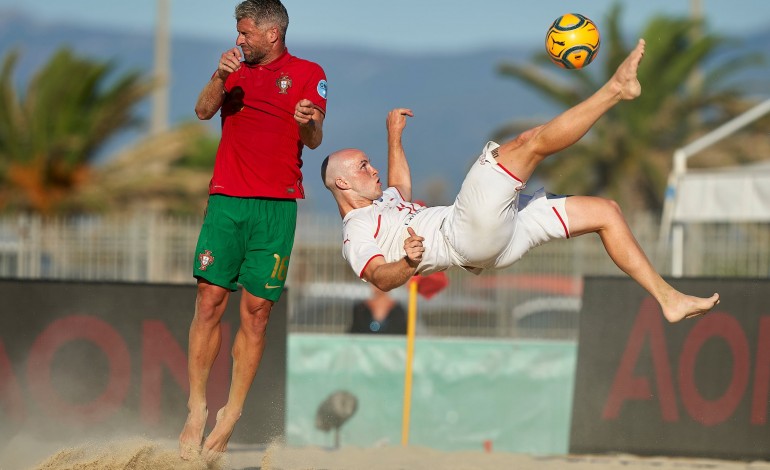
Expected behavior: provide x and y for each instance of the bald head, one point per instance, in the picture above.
(337, 165)
(352, 180)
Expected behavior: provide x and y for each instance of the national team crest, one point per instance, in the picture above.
(206, 259)
(283, 83)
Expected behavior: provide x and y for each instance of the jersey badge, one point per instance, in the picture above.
(206, 259)
(283, 83)
(321, 88)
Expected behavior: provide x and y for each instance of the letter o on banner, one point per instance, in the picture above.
(109, 341)
(712, 412)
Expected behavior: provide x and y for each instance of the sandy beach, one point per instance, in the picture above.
(141, 454)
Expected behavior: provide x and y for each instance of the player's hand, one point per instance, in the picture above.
(229, 62)
(396, 121)
(304, 111)
(414, 248)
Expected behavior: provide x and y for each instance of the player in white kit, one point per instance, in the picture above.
(387, 239)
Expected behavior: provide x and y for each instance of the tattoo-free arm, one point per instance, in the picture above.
(386, 276)
(399, 175)
(310, 120)
(213, 94)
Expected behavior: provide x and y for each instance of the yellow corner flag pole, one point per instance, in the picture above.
(410, 325)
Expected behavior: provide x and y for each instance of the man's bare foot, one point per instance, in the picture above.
(191, 438)
(625, 81)
(680, 306)
(216, 442)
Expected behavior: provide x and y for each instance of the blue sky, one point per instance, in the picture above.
(397, 25)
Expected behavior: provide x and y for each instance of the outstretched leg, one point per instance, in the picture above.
(591, 214)
(521, 155)
(248, 347)
(205, 340)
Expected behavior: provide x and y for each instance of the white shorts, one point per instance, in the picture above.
(491, 225)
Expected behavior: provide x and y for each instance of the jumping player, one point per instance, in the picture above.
(272, 105)
(387, 239)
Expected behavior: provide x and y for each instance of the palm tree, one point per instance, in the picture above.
(166, 172)
(51, 133)
(627, 154)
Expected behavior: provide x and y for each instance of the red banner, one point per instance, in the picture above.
(695, 388)
(104, 358)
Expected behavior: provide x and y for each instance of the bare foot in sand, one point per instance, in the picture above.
(679, 306)
(216, 442)
(191, 438)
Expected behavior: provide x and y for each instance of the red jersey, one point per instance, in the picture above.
(260, 153)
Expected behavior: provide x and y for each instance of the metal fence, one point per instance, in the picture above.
(537, 297)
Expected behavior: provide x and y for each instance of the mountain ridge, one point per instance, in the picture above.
(458, 97)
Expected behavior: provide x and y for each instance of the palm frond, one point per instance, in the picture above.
(626, 155)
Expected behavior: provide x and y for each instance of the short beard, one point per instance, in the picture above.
(252, 58)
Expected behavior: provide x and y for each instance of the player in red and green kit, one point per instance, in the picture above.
(272, 104)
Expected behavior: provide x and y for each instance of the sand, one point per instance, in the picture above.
(414, 458)
(126, 454)
(142, 454)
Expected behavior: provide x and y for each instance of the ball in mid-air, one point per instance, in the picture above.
(572, 41)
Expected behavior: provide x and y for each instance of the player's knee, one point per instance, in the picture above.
(210, 302)
(527, 135)
(255, 316)
(614, 207)
(520, 140)
(612, 210)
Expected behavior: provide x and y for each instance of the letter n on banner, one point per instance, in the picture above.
(160, 348)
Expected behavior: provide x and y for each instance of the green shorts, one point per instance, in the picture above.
(246, 241)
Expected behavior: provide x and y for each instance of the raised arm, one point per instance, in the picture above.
(398, 168)
(213, 94)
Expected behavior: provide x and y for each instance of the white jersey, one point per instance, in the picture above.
(380, 230)
(489, 225)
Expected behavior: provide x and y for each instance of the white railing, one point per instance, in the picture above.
(675, 231)
(539, 296)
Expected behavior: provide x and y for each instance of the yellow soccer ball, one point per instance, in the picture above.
(572, 41)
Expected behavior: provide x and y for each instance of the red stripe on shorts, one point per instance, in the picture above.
(566, 231)
(510, 174)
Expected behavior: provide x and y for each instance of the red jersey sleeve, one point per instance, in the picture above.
(316, 88)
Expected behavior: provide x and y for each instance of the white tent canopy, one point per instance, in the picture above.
(735, 194)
